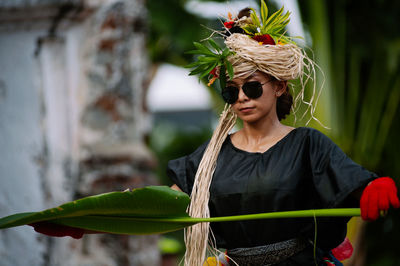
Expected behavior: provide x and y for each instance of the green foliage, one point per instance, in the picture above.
(172, 30)
(208, 59)
(362, 81)
(169, 245)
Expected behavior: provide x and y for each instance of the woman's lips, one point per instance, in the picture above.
(246, 109)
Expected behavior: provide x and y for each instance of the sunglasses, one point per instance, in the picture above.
(252, 89)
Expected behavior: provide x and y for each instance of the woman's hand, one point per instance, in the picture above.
(377, 197)
(175, 187)
(57, 230)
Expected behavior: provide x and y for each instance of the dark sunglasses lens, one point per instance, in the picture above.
(230, 94)
(252, 89)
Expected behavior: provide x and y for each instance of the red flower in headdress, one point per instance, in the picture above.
(264, 39)
(229, 24)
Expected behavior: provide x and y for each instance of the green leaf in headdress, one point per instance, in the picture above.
(264, 11)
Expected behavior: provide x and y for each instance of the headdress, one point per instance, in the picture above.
(252, 43)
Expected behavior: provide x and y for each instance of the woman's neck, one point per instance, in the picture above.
(261, 129)
(260, 136)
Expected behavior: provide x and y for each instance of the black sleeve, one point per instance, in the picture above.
(335, 175)
(182, 171)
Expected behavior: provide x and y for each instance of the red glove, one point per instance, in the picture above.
(52, 229)
(378, 196)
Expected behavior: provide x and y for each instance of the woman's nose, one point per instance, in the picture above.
(242, 97)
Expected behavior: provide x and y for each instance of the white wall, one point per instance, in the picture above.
(21, 146)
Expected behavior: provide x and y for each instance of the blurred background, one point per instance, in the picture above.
(94, 98)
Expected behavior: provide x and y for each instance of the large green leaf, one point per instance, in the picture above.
(94, 212)
(149, 210)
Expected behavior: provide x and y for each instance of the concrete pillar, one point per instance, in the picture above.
(73, 122)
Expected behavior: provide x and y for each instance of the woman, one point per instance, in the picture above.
(267, 166)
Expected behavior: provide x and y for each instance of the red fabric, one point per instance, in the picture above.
(265, 39)
(58, 230)
(229, 24)
(378, 196)
(343, 251)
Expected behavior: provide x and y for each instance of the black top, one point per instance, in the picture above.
(304, 170)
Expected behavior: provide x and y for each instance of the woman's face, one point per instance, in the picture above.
(264, 107)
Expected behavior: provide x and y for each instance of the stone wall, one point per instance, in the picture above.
(73, 122)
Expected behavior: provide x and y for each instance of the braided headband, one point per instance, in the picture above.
(284, 62)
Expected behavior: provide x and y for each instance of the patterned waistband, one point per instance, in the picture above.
(268, 254)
